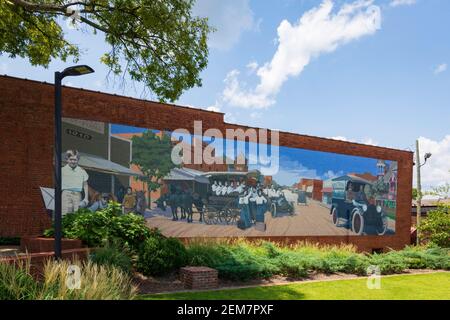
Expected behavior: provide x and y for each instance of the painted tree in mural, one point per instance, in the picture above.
(377, 189)
(152, 154)
(158, 43)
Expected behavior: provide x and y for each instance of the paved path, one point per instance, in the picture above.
(311, 220)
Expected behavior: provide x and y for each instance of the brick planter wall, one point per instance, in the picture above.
(199, 278)
(38, 260)
(26, 129)
(40, 244)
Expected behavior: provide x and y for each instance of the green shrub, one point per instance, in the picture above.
(245, 263)
(343, 261)
(435, 228)
(235, 261)
(209, 255)
(160, 255)
(109, 224)
(389, 263)
(130, 229)
(113, 255)
(13, 241)
(426, 257)
(294, 265)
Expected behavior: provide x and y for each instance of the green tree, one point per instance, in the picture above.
(414, 193)
(435, 228)
(152, 154)
(158, 43)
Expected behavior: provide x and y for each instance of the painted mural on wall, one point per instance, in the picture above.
(311, 193)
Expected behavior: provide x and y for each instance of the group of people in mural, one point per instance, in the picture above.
(76, 191)
(250, 202)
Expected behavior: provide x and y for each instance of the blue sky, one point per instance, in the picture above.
(286, 165)
(386, 84)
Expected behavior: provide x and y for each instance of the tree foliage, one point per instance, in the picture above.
(158, 42)
(414, 193)
(152, 154)
(435, 228)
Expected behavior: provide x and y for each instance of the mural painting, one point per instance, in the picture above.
(311, 193)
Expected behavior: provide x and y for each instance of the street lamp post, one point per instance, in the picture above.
(419, 188)
(71, 71)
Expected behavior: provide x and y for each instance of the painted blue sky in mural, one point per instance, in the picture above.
(300, 163)
(294, 163)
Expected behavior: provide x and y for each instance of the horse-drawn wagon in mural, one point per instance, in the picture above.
(192, 190)
(350, 202)
(221, 210)
(223, 207)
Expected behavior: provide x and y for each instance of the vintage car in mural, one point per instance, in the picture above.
(282, 204)
(350, 202)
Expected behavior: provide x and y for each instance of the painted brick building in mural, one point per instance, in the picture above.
(26, 115)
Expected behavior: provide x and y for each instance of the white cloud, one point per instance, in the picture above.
(291, 171)
(216, 107)
(396, 3)
(213, 108)
(319, 30)
(230, 19)
(339, 138)
(368, 141)
(437, 169)
(252, 66)
(330, 174)
(440, 68)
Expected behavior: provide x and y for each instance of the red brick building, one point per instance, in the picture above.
(26, 116)
(312, 187)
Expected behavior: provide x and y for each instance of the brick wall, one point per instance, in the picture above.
(26, 148)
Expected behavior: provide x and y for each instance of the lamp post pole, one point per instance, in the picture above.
(58, 165)
(71, 71)
(419, 193)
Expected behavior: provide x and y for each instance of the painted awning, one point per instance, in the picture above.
(185, 174)
(99, 164)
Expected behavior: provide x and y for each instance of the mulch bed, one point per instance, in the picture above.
(171, 283)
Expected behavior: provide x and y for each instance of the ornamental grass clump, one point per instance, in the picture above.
(16, 282)
(65, 280)
(93, 282)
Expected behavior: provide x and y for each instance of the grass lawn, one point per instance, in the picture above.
(398, 287)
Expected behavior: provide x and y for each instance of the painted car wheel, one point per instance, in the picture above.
(381, 230)
(334, 217)
(357, 222)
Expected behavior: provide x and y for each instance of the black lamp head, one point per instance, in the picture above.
(427, 156)
(77, 71)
